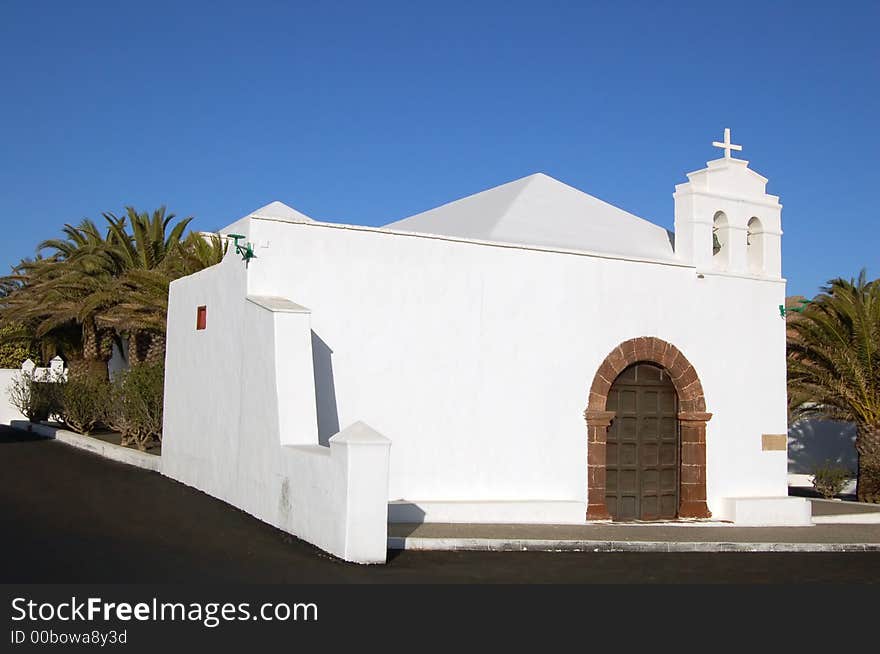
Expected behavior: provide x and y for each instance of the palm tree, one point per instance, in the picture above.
(136, 304)
(148, 246)
(95, 287)
(834, 367)
(201, 250)
(49, 294)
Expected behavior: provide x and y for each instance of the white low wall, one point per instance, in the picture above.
(8, 413)
(240, 419)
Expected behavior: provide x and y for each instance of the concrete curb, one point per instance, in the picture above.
(94, 445)
(536, 545)
(847, 519)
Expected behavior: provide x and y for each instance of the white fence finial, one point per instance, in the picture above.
(55, 372)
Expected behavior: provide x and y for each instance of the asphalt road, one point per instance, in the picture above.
(67, 516)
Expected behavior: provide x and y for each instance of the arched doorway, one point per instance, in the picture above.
(642, 450)
(692, 418)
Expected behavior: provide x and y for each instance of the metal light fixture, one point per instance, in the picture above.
(246, 251)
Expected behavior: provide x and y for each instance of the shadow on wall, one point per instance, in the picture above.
(813, 442)
(325, 390)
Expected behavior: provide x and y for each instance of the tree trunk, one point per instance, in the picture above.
(96, 354)
(868, 447)
(135, 349)
(90, 341)
(105, 344)
(85, 368)
(156, 351)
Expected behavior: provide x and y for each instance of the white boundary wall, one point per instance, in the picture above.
(8, 413)
(240, 419)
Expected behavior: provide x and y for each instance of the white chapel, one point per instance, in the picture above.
(527, 354)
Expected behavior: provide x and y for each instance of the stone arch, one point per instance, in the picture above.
(692, 419)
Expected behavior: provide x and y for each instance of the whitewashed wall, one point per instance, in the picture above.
(476, 360)
(240, 420)
(7, 411)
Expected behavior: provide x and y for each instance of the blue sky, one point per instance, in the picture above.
(366, 112)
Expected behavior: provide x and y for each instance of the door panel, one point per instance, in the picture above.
(642, 453)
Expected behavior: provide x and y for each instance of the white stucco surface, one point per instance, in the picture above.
(476, 360)
(767, 511)
(8, 413)
(240, 419)
(471, 353)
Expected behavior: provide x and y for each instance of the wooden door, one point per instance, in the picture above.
(642, 453)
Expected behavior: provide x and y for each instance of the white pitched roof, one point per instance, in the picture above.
(540, 210)
(274, 210)
(280, 211)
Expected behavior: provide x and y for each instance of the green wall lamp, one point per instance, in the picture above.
(783, 311)
(246, 251)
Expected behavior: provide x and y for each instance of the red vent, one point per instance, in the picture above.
(202, 317)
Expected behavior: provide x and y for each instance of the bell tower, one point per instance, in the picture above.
(725, 221)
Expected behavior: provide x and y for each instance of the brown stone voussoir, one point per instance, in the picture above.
(689, 377)
(655, 349)
(628, 348)
(600, 386)
(692, 390)
(663, 353)
(673, 356)
(607, 373)
(643, 348)
(616, 361)
(597, 402)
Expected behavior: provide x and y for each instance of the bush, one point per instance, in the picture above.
(84, 402)
(135, 405)
(35, 399)
(829, 479)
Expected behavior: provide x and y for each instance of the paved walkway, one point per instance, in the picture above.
(667, 537)
(840, 527)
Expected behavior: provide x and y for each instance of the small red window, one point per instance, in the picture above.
(202, 317)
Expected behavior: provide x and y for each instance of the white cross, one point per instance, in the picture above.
(727, 146)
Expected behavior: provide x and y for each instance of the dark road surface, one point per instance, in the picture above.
(67, 516)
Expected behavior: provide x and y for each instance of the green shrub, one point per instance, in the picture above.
(35, 399)
(84, 402)
(829, 479)
(135, 405)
